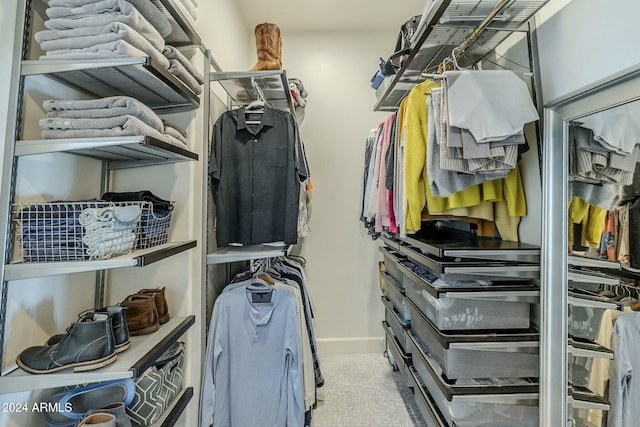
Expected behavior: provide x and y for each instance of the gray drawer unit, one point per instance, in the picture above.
(477, 403)
(585, 314)
(471, 305)
(391, 261)
(424, 402)
(590, 280)
(582, 357)
(397, 325)
(443, 242)
(396, 295)
(455, 269)
(396, 354)
(585, 409)
(478, 355)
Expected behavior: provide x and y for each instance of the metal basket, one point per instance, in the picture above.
(66, 231)
(154, 227)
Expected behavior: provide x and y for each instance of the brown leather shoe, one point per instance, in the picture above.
(161, 302)
(141, 314)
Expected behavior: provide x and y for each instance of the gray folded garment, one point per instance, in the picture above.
(175, 134)
(132, 126)
(178, 70)
(62, 8)
(118, 48)
(79, 38)
(173, 53)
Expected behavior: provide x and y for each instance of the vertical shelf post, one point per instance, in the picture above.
(553, 289)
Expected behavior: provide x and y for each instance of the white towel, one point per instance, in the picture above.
(89, 36)
(145, 7)
(173, 53)
(132, 127)
(119, 106)
(491, 104)
(175, 134)
(191, 8)
(110, 248)
(116, 49)
(177, 69)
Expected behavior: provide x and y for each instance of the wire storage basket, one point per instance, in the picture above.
(76, 230)
(154, 226)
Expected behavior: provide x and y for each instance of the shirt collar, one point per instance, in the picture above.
(267, 119)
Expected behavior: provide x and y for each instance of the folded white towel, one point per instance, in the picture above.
(107, 216)
(175, 134)
(118, 106)
(116, 49)
(93, 104)
(173, 53)
(110, 248)
(178, 70)
(82, 7)
(132, 127)
(191, 9)
(78, 38)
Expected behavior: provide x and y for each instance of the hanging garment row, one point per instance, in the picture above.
(451, 152)
(256, 167)
(261, 364)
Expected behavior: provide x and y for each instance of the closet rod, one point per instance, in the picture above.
(483, 25)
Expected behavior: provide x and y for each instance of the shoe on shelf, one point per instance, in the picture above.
(142, 314)
(88, 344)
(118, 321)
(117, 410)
(99, 420)
(161, 302)
(106, 397)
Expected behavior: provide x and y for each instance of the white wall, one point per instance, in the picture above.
(223, 31)
(336, 69)
(586, 41)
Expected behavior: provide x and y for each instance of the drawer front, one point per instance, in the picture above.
(397, 297)
(504, 360)
(448, 313)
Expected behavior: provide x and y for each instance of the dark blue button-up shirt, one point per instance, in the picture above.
(255, 172)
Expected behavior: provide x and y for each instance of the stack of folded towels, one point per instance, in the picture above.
(90, 29)
(191, 6)
(106, 117)
(110, 231)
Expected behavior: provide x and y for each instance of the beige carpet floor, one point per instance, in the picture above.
(362, 390)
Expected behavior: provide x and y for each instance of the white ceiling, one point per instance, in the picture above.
(330, 15)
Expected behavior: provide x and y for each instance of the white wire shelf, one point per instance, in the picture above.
(183, 33)
(140, 78)
(144, 351)
(273, 84)
(121, 152)
(138, 258)
(245, 253)
(450, 24)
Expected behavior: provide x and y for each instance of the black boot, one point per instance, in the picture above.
(118, 320)
(89, 344)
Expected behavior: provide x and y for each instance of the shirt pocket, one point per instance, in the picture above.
(277, 156)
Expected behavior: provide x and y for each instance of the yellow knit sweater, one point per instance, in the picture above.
(417, 191)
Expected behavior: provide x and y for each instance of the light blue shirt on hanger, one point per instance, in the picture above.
(253, 363)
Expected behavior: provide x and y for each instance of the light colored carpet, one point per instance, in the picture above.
(361, 390)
